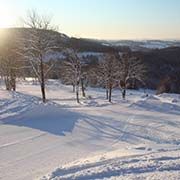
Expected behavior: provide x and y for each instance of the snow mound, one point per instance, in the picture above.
(166, 95)
(152, 98)
(29, 111)
(17, 104)
(153, 103)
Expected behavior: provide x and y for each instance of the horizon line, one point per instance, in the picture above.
(104, 39)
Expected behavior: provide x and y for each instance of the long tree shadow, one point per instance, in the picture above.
(27, 111)
(50, 117)
(130, 132)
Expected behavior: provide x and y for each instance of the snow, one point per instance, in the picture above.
(152, 165)
(149, 44)
(61, 56)
(85, 54)
(137, 138)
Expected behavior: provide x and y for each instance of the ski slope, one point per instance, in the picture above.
(134, 139)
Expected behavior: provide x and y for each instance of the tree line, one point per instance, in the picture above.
(29, 53)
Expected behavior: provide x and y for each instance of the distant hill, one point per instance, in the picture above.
(62, 40)
(93, 45)
(162, 58)
(143, 45)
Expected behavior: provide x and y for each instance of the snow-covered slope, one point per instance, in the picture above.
(133, 139)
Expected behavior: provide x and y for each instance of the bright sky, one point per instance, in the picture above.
(102, 19)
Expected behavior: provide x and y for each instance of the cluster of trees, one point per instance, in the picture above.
(163, 69)
(29, 53)
(119, 70)
(113, 70)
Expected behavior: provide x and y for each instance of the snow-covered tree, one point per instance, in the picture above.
(131, 69)
(73, 73)
(107, 72)
(39, 43)
(67, 75)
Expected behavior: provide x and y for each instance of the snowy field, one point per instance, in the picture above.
(134, 139)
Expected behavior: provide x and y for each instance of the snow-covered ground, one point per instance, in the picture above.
(134, 139)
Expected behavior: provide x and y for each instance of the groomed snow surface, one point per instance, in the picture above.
(138, 138)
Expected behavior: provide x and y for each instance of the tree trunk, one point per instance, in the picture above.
(83, 88)
(107, 93)
(124, 93)
(110, 93)
(42, 81)
(77, 97)
(77, 93)
(73, 88)
(13, 83)
(7, 83)
(43, 92)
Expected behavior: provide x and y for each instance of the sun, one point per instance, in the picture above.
(6, 18)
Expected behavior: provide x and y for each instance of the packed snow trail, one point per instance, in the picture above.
(35, 138)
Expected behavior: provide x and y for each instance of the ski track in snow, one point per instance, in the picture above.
(134, 139)
(120, 168)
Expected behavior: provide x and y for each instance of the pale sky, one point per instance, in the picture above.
(102, 19)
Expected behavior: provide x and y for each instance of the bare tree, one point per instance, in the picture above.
(131, 69)
(10, 60)
(107, 72)
(68, 75)
(73, 70)
(40, 42)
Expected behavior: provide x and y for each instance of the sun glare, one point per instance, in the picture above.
(6, 18)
